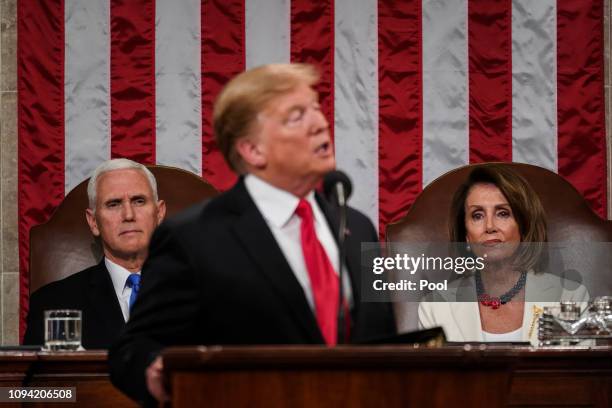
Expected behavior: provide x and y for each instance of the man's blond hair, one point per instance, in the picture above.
(247, 95)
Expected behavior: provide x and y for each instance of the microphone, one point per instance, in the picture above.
(338, 188)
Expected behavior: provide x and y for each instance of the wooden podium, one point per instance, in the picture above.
(387, 376)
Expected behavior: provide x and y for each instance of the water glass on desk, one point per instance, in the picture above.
(62, 330)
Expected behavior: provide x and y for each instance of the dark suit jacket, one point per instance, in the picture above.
(90, 291)
(215, 275)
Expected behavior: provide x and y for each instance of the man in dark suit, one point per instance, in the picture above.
(256, 265)
(123, 211)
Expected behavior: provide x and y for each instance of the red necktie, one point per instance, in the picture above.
(323, 278)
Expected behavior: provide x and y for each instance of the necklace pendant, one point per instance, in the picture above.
(490, 301)
(495, 303)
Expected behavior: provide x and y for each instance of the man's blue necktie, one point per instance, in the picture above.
(133, 281)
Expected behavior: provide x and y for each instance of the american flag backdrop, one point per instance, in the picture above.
(414, 88)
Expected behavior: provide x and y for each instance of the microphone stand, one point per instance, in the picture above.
(341, 254)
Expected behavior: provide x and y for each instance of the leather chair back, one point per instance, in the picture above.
(64, 245)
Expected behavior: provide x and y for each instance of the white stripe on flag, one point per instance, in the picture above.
(178, 87)
(356, 99)
(86, 88)
(445, 87)
(267, 32)
(534, 82)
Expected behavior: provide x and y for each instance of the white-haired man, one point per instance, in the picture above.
(123, 212)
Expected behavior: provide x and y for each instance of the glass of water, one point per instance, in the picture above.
(62, 330)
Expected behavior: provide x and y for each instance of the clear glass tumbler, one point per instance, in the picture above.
(62, 330)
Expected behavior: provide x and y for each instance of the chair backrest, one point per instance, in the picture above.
(64, 245)
(568, 216)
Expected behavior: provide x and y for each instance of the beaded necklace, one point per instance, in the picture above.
(493, 301)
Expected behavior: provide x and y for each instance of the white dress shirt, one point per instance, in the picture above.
(119, 277)
(278, 209)
(512, 336)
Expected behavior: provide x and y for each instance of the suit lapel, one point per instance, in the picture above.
(465, 311)
(351, 260)
(467, 320)
(251, 229)
(104, 300)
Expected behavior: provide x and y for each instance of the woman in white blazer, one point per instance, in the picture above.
(501, 219)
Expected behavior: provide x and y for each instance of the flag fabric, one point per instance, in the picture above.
(412, 88)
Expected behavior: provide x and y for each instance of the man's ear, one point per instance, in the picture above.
(161, 211)
(91, 220)
(251, 153)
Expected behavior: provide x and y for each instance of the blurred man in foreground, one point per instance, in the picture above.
(124, 210)
(257, 264)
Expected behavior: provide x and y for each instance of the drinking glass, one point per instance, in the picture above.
(62, 330)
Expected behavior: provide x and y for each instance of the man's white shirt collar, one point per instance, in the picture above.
(277, 205)
(119, 277)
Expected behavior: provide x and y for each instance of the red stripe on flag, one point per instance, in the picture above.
(490, 80)
(132, 73)
(222, 58)
(40, 82)
(580, 99)
(312, 41)
(400, 143)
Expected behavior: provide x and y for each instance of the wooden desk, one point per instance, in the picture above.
(388, 376)
(87, 371)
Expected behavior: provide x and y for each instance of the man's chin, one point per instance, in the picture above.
(327, 166)
(130, 250)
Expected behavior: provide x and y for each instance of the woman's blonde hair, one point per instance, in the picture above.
(248, 94)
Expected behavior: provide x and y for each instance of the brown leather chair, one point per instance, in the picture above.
(569, 220)
(64, 245)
